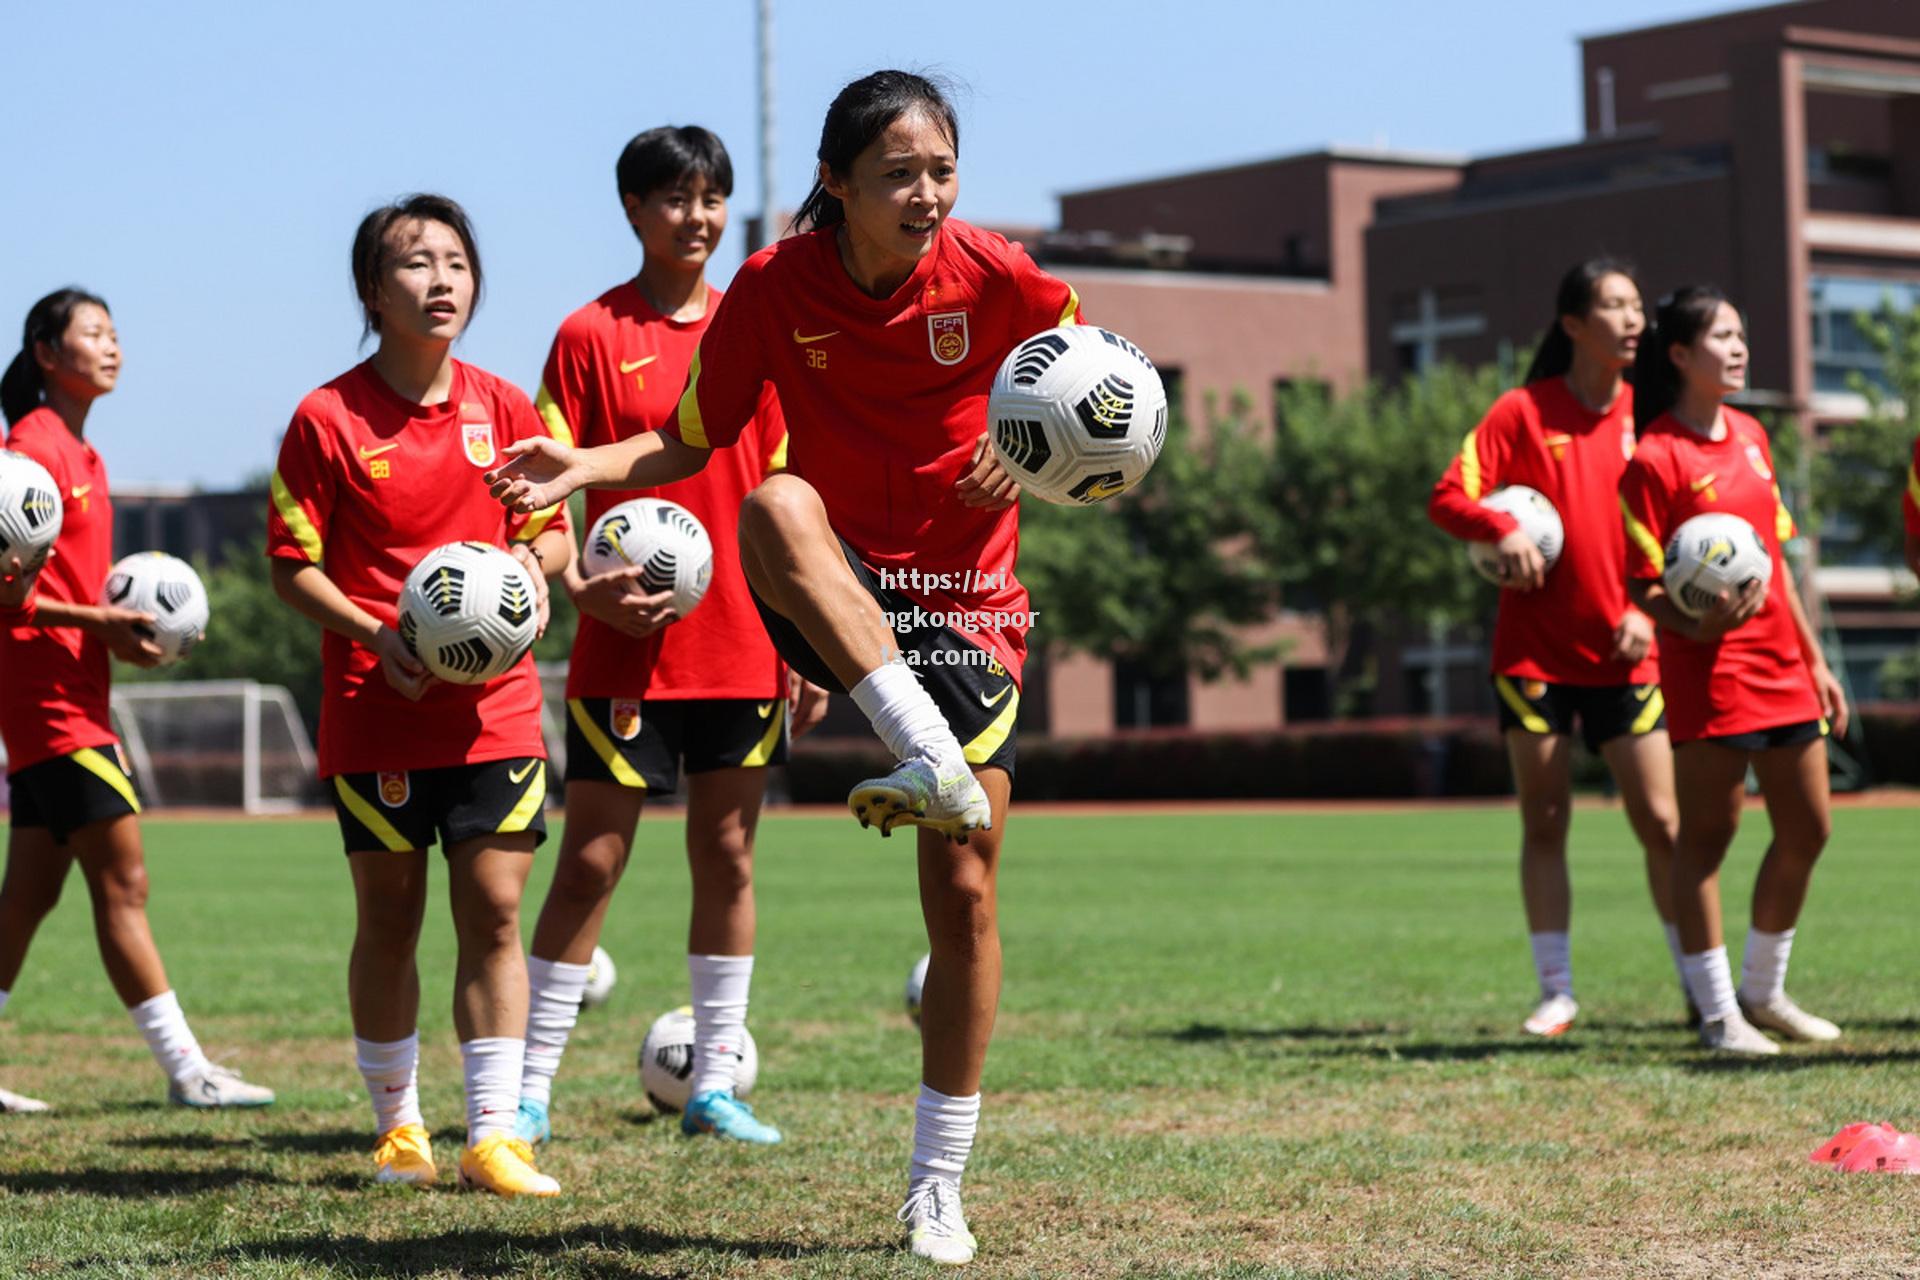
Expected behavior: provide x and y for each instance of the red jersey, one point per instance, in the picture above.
(885, 399)
(54, 681)
(1910, 500)
(1754, 677)
(367, 483)
(616, 369)
(1541, 436)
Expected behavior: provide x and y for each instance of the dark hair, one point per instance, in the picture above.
(860, 113)
(1575, 298)
(370, 245)
(23, 387)
(1678, 320)
(671, 154)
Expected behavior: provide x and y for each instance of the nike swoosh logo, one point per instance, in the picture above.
(396, 1088)
(816, 337)
(985, 701)
(765, 708)
(520, 775)
(1643, 693)
(1702, 483)
(374, 453)
(82, 490)
(628, 366)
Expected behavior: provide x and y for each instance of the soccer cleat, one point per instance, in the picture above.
(916, 795)
(531, 1126)
(19, 1104)
(218, 1087)
(404, 1155)
(503, 1164)
(936, 1228)
(1734, 1034)
(1782, 1016)
(1553, 1017)
(724, 1116)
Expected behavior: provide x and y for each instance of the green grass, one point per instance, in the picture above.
(1230, 1045)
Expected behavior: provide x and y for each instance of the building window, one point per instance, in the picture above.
(1143, 700)
(1840, 348)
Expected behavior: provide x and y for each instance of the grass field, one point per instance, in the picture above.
(1230, 1045)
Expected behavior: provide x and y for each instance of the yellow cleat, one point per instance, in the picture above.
(405, 1155)
(503, 1164)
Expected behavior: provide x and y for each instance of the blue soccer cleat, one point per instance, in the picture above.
(724, 1116)
(531, 1125)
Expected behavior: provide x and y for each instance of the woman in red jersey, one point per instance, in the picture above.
(73, 796)
(1746, 684)
(379, 467)
(1568, 644)
(1910, 510)
(642, 694)
(883, 557)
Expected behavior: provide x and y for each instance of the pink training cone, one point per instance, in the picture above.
(1841, 1144)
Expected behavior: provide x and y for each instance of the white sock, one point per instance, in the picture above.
(391, 1069)
(168, 1036)
(1763, 969)
(943, 1131)
(554, 988)
(1710, 983)
(492, 1066)
(719, 1017)
(904, 715)
(1553, 963)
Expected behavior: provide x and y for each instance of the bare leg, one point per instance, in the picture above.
(36, 870)
(723, 810)
(1710, 784)
(794, 563)
(959, 898)
(1642, 766)
(383, 982)
(1542, 777)
(110, 856)
(594, 848)
(1794, 782)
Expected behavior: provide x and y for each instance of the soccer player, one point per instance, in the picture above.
(379, 467)
(1746, 683)
(642, 694)
(882, 559)
(73, 795)
(1910, 509)
(1568, 644)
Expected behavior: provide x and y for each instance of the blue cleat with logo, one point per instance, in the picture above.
(531, 1125)
(724, 1116)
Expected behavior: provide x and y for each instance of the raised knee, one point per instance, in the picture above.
(778, 502)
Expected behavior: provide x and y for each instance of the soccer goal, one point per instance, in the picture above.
(227, 744)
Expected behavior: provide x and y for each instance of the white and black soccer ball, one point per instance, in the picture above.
(1710, 554)
(916, 986)
(168, 588)
(666, 1061)
(665, 539)
(469, 612)
(1077, 414)
(1538, 520)
(30, 511)
(600, 979)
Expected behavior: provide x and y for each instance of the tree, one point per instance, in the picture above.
(1859, 475)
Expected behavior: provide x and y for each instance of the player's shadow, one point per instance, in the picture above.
(1366, 1041)
(1213, 1033)
(181, 1142)
(133, 1184)
(1800, 1061)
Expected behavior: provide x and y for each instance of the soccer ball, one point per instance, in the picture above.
(1077, 414)
(1712, 553)
(30, 511)
(664, 539)
(168, 588)
(1538, 520)
(666, 1061)
(467, 611)
(916, 983)
(600, 978)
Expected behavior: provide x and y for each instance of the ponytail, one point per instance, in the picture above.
(1678, 321)
(23, 388)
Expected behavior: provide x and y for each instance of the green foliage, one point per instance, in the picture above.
(1859, 475)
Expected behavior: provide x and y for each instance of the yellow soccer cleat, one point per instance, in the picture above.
(405, 1155)
(503, 1164)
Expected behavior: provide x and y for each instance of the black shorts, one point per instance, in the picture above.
(1606, 711)
(972, 688)
(67, 792)
(401, 811)
(1780, 735)
(640, 744)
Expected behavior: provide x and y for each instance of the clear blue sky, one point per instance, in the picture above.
(203, 165)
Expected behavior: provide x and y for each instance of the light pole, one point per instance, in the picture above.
(769, 206)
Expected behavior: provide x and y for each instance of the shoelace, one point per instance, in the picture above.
(941, 1200)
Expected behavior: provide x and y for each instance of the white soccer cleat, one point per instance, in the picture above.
(1782, 1016)
(216, 1087)
(936, 1228)
(20, 1104)
(915, 794)
(1553, 1017)
(1734, 1034)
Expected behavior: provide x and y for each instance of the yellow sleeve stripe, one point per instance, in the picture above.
(623, 773)
(1470, 464)
(296, 519)
(557, 424)
(536, 524)
(778, 462)
(1644, 539)
(529, 804)
(981, 749)
(763, 749)
(693, 431)
(1650, 714)
(1913, 485)
(1530, 720)
(369, 817)
(108, 772)
(1783, 525)
(1066, 312)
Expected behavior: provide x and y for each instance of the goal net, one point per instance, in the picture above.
(227, 744)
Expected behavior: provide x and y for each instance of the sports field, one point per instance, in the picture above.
(1231, 1045)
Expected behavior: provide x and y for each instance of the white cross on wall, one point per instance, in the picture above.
(1427, 331)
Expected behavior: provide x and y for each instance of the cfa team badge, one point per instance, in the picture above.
(394, 789)
(476, 433)
(1627, 441)
(1758, 461)
(947, 334)
(625, 719)
(1558, 444)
